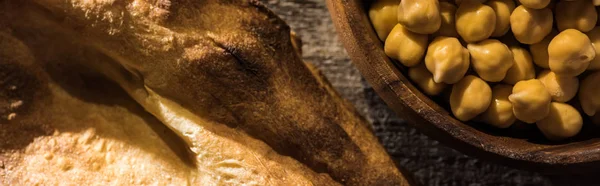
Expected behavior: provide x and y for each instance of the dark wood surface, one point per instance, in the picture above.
(430, 162)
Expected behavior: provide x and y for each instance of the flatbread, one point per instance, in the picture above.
(206, 92)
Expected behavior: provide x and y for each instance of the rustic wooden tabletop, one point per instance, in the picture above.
(430, 162)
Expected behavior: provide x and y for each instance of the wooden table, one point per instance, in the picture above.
(430, 162)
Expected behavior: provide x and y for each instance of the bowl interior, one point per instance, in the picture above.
(521, 145)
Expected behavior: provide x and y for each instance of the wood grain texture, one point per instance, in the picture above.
(576, 156)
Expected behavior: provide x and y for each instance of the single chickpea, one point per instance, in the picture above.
(384, 16)
(561, 88)
(570, 53)
(522, 69)
(447, 60)
(405, 46)
(503, 9)
(531, 25)
(475, 21)
(535, 4)
(530, 100)
(539, 51)
(594, 36)
(500, 113)
(491, 59)
(420, 16)
(589, 94)
(580, 15)
(424, 79)
(470, 97)
(448, 27)
(563, 121)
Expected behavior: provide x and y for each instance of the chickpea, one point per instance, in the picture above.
(531, 25)
(570, 53)
(535, 4)
(424, 79)
(561, 88)
(523, 66)
(475, 21)
(503, 9)
(594, 36)
(405, 46)
(589, 94)
(491, 59)
(470, 97)
(447, 60)
(420, 16)
(448, 27)
(500, 113)
(563, 121)
(384, 16)
(580, 15)
(539, 51)
(530, 100)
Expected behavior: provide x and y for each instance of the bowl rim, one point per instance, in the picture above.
(366, 52)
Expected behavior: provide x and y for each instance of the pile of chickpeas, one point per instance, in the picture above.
(532, 61)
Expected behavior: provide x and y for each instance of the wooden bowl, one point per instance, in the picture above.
(521, 146)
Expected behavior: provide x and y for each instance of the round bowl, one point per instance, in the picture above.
(521, 146)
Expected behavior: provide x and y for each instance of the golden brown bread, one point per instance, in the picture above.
(222, 75)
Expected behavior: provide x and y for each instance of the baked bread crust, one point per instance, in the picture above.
(239, 105)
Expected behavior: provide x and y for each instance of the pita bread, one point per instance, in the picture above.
(164, 92)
